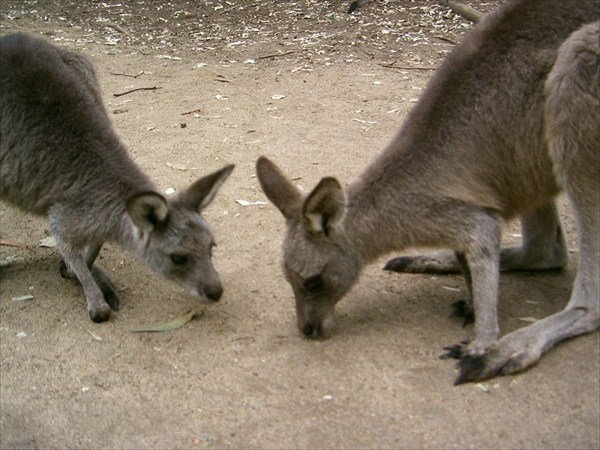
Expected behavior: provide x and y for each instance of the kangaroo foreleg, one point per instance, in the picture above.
(102, 280)
(98, 290)
(544, 246)
(464, 308)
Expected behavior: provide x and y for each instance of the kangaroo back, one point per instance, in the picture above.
(55, 129)
(60, 157)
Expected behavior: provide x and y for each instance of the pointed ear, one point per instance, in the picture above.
(202, 192)
(282, 193)
(147, 210)
(324, 208)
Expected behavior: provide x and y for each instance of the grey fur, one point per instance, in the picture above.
(515, 102)
(60, 158)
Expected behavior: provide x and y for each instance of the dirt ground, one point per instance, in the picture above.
(310, 86)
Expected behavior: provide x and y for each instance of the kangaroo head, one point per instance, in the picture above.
(174, 240)
(317, 260)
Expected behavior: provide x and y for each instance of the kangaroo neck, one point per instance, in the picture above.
(376, 220)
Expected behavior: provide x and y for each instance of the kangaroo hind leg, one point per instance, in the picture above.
(572, 116)
(543, 247)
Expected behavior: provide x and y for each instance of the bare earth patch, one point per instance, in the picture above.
(321, 92)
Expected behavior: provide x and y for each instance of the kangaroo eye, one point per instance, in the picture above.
(313, 284)
(179, 260)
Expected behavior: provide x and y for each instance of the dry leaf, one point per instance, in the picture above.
(247, 203)
(180, 167)
(48, 242)
(178, 322)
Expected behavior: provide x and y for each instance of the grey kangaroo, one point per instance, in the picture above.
(60, 157)
(510, 118)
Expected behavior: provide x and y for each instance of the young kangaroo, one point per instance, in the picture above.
(60, 157)
(514, 104)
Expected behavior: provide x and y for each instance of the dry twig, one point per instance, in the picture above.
(16, 245)
(191, 112)
(153, 88)
(464, 10)
(276, 55)
(116, 27)
(127, 74)
(392, 66)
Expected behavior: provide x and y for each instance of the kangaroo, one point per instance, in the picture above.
(509, 119)
(60, 158)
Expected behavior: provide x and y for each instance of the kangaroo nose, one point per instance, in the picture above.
(214, 292)
(308, 329)
(312, 331)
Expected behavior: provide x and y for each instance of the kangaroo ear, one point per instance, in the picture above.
(282, 193)
(202, 192)
(325, 206)
(147, 210)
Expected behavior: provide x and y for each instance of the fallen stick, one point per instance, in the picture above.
(464, 10)
(127, 74)
(357, 4)
(445, 39)
(276, 55)
(191, 112)
(15, 245)
(392, 66)
(153, 88)
(116, 27)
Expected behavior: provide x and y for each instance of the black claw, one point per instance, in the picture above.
(398, 264)
(453, 352)
(463, 309)
(471, 368)
(468, 319)
(111, 298)
(459, 308)
(65, 272)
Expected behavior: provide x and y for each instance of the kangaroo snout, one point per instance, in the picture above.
(315, 323)
(312, 331)
(214, 292)
(209, 288)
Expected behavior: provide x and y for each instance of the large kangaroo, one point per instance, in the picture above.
(60, 157)
(514, 104)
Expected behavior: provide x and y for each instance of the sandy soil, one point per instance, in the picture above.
(307, 85)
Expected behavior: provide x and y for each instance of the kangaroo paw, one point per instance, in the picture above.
(440, 263)
(500, 359)
(464, 309)
(99, 313)
(107, 288)
(65, 272)
(399, 264)
(110, 296)
(471, 368)
(455, 351)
